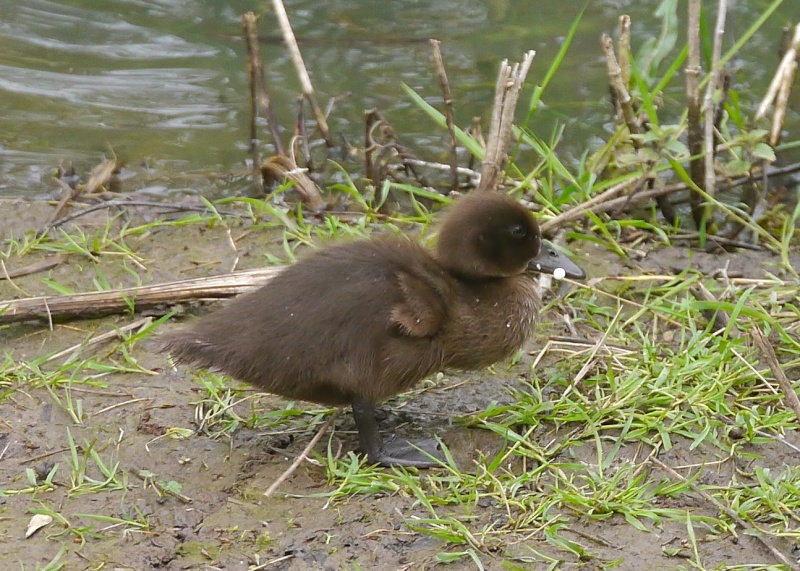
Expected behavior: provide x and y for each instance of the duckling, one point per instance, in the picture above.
(358, 322)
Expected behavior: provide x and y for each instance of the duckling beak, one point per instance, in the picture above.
(551, 261)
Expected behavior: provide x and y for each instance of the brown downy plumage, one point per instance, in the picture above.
(362, 321)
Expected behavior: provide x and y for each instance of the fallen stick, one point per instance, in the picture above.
(720, 317)
(610, 199)
(96, 304)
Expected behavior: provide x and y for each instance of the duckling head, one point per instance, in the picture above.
(488, 235)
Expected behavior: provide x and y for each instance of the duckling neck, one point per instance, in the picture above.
(473, 273)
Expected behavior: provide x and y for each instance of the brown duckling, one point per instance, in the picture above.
(359, 322)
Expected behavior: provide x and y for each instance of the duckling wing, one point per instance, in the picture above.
(421, 312)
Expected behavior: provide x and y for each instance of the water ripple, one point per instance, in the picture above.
(71, 30)
(165, 92)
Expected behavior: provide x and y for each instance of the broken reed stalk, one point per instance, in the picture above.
(448, 111)
(780, 88)
(260, 100)
(509, 84)
(251, 37)
(96, 304)
(709, 107)
(622, 97)
(300, 138)
(620, 89)
(694, 131)
(300, 68)
(781, 103)
(624, 48)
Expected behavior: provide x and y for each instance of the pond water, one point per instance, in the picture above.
(162, 84)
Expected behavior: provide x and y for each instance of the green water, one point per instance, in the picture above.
(163, 85)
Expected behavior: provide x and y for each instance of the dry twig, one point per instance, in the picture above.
(619, 87)
(378, 154)
(720, 317)
(780, 88)
(42, 266)
(624, 48)
(303, 455)
(592, 205)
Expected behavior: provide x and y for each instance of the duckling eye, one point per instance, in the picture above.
(517, 231)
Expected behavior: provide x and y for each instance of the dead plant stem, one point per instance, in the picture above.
(694, 130)
(303, 455)
(300, 68)
(709, 106)
(509, 84)
(448, 111)
(259, 92)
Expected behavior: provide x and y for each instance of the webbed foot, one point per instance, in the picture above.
(393, 451)
(401, 452)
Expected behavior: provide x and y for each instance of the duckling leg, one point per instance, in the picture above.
(394, 452)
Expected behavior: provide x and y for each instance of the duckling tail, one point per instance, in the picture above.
(186, 348)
